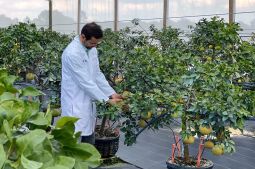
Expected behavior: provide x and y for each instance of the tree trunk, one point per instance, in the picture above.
(186, 146)
(102, 127)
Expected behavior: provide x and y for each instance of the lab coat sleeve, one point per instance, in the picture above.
(78, 66)
(101, 81)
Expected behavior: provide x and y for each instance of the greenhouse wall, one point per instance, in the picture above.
(181, 13)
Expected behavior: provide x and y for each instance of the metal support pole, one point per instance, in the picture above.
(79, 17)
(232, 6)
(165, 13)
(50, 15)
(116, 15)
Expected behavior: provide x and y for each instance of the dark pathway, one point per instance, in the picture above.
(153, 148)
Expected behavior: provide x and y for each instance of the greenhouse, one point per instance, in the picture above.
(127, 84)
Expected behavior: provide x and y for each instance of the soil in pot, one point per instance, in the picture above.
(180, 164)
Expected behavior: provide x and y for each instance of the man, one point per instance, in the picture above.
(83, 82)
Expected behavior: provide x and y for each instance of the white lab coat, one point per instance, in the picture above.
(82, 83)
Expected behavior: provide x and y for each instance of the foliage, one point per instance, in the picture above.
(29, 141)
(27, 49)
(161, 76)
(195, 80)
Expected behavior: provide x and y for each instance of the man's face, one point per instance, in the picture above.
(93, 42)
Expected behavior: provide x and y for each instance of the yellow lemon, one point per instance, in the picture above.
(56, 112)
(205, 130)
(189, 140)
(217, 150)
(175, 115)
(148, 116)
(209, 144)
(201, 49)
(209, 58)
(217, 48)
(126, 94)
(30, 76)
(142, 123)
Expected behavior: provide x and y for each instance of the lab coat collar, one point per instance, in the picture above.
(77, 40)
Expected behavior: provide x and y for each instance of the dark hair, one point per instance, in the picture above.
(92, 30)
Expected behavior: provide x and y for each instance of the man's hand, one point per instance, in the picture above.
(116, 96)
(114, 101)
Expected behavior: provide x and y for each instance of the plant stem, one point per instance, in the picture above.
(186, 147)
(102, 127)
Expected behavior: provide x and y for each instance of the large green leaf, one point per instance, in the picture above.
(63, 120)
(2, 88)
(29, 164)
(45, 157)
(94, 160)
(3, 73)
(30, 91)
(39, 119)
(7, 110)
(68, 162)
(9, 80)
(81, 165)
(3, 138)
(2, 156)
(65, 135)
(32, 107)
(84, 152)
(30, 142)
(57, 167)
(7, 96)
(7, 130)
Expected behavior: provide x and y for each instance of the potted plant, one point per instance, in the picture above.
(211, 102)
(107, 131)
(194, 81)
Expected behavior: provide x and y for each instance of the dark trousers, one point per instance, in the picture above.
(88, 139)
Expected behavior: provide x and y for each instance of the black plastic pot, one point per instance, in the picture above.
(107, 146)
(177, 166)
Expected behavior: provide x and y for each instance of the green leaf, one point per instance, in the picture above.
(57, 167)
(7, 130)
(45, 157)
(68, 162)
(48, 114)
(63, 120)
(225, 113)
(224, 118)
(65, 135)
(32, 107)
(29, 164)
(3, 73)
(39, 119)
(81, 165)
(30, 91)
(2, 88)
(30, 142)
(2, 156)
(9, 80)
(3, 138)
(7, 96)
(85, 153)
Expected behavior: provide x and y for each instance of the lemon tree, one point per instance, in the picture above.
(193, 80)
(33, 54)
